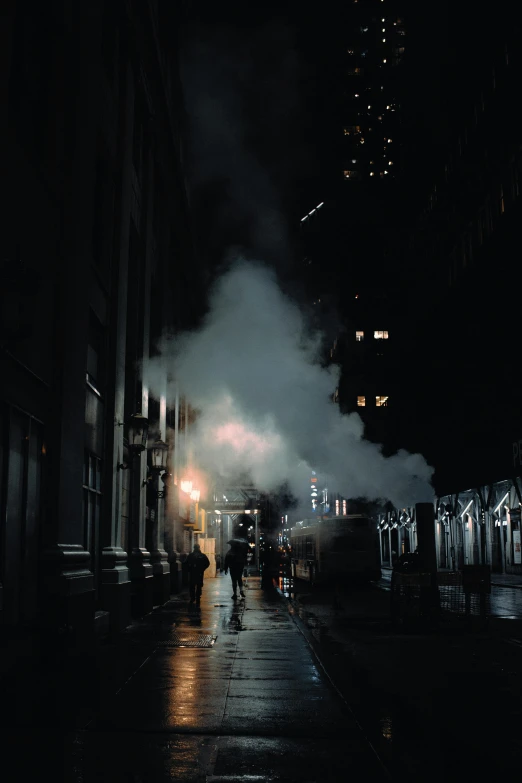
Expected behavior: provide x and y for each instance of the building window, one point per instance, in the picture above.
(351, 174)
(351, 130)
(344, 508)
(92, 496)
(361, 401)
(359, 337)
(381, 402)
(380, 335)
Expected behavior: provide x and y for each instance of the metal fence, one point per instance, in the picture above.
(442, 597)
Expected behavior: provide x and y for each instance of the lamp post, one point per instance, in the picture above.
(137, 433)
(137, 430)
(158, 452)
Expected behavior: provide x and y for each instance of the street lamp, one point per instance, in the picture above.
(159, 453)
(137, 432)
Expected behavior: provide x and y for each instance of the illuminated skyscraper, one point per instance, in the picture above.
(370, 111)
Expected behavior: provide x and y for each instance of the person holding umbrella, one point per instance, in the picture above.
(235, 561)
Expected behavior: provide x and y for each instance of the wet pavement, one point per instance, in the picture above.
(441, 703)
(229, 692)
(506, 594)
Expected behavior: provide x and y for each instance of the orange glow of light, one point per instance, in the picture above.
(241, 438)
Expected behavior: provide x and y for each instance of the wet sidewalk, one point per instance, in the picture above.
(229, 692)
(424, 696)
(497, 580)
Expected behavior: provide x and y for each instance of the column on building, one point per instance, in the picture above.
(70, 536)
(115, 577)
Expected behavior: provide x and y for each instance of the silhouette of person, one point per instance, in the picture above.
(235, 561)
(196, 564)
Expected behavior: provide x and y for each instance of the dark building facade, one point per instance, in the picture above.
(464, 253)
(97, 263)
(465, 279)
(353, 238)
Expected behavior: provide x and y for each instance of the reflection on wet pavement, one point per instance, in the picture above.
(418, 693)
(253, 706)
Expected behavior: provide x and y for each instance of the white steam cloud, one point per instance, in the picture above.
(253, 373)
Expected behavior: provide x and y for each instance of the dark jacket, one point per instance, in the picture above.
(196, 563)
(235, 560)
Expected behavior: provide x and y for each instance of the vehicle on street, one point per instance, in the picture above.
(344, 547)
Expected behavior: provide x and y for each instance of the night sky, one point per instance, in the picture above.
(262, 90)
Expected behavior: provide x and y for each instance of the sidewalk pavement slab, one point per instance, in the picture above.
(253, 705)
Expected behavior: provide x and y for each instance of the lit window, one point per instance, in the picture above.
(390, 163)
(380, 335)
(381, 402)
(354, 160)
(383, 28)
(384, 40)
(371, 173)
(369, 107)
(350, 174)
(344, 508)
(384, 60)
(361, 402)
(337, 505)
(389, 141)
(359, 336)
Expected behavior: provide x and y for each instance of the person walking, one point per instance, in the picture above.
(196, 564)
(235, 561)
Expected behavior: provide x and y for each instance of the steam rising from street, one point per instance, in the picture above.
(264, 400)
